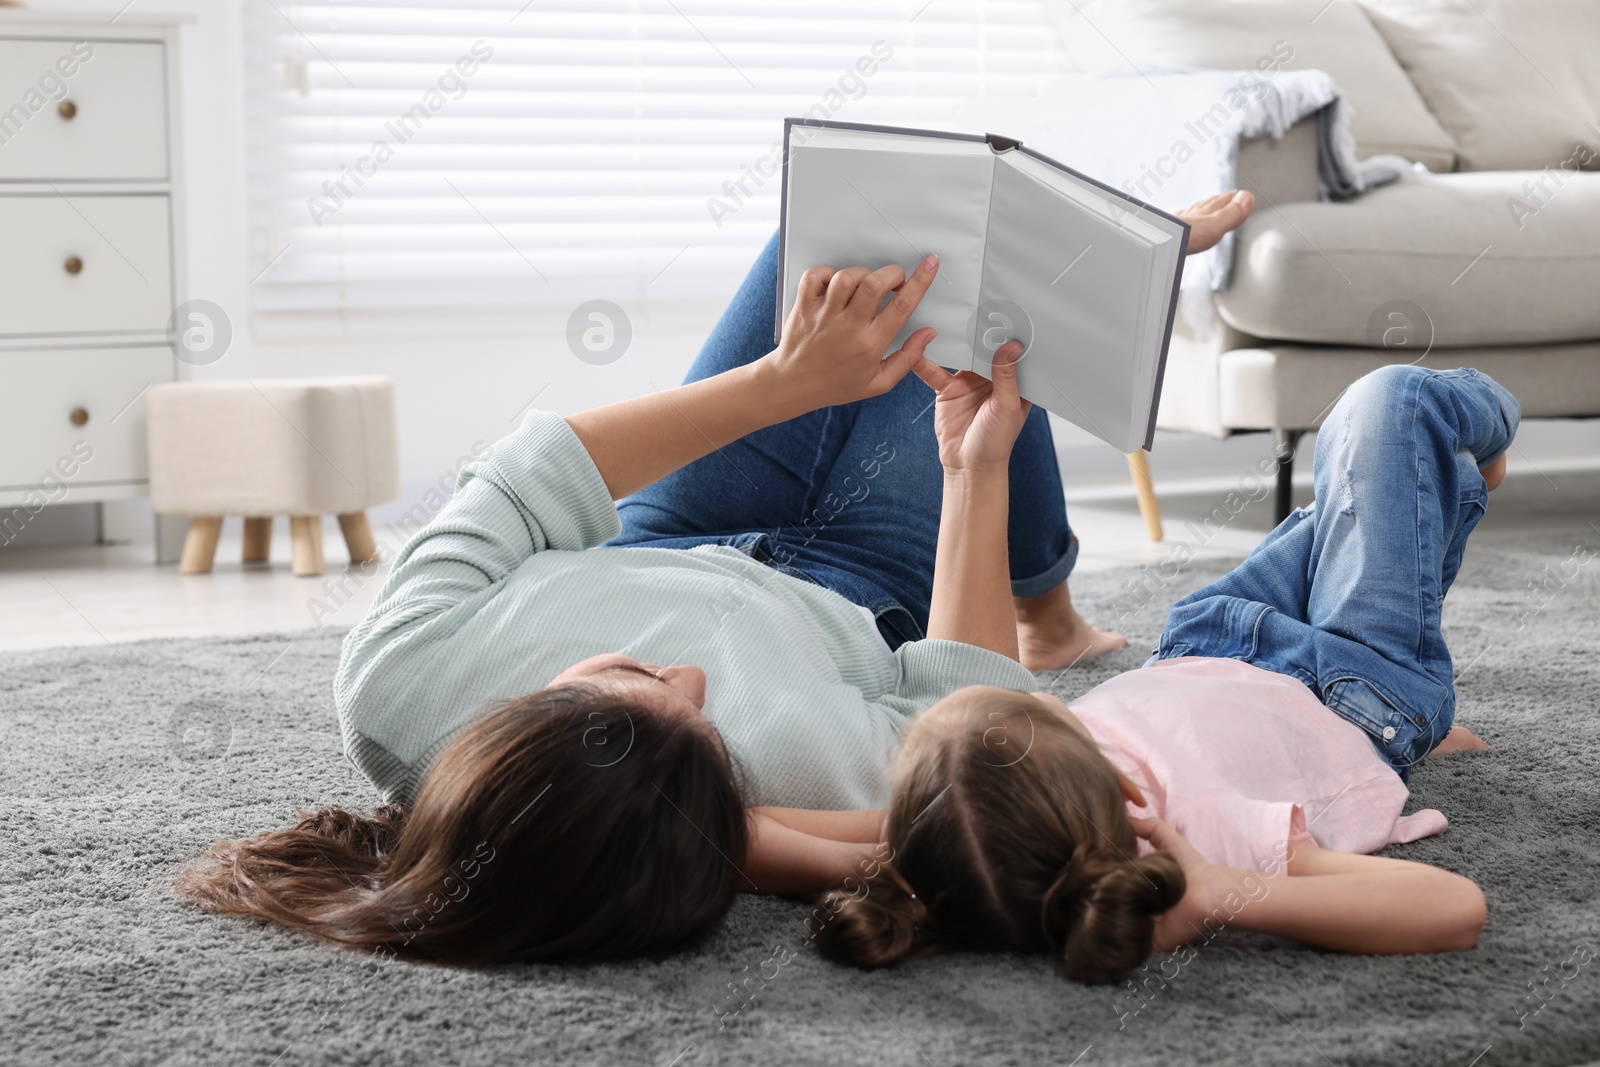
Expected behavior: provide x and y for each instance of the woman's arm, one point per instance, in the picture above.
(1370, 905)
(832, 352)
(977, 422)
(786, 861)
(864, 827)
(537, 489)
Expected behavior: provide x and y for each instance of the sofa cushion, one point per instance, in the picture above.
(1463, 259)
(1387, 115)
(1293, 387)
(1515, 82)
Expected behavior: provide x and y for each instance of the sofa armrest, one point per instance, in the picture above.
(1279, 172)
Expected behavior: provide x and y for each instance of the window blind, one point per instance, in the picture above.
(479, 165)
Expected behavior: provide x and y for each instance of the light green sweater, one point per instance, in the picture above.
(506, 588)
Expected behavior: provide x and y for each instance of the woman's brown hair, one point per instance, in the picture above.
(1007, 832)
(564, 826)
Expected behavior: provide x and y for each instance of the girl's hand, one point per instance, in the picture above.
(977, 420)
(833, 345)
(1207, 883)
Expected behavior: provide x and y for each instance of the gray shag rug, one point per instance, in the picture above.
(118, 764)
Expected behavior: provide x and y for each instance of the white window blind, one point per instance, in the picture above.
(486, 164)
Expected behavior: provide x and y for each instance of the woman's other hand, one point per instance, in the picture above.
(977, 420)
(833, 345)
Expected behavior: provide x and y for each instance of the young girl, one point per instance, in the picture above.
(1265, 745)
(569, 704)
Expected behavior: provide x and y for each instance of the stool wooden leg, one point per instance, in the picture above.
(257, 539)
(1149, 506)
(358, 537)
(200, 544)
(305, 535)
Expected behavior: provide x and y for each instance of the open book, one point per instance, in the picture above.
(1085, 276)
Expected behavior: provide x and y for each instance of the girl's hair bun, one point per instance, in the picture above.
(1100, 913)
(881, 923)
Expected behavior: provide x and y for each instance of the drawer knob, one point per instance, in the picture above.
(73, 264)
(79, 416)
(67, 109)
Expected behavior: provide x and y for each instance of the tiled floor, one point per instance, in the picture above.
(92, 594)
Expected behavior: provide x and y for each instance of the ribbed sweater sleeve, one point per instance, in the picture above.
(537, 489)
(931, 669)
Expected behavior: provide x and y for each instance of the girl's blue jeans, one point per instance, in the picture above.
(1345, 594)
(847, 497)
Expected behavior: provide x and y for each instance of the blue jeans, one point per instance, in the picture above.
(847, 497)
(1345, 594)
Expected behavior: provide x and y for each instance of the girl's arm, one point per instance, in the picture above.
(787, 861)
(971, 572)
(1371, 905)
(977, 422)
(832, 352)
(1379, 907)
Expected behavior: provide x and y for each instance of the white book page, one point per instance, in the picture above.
(1164, 237)
(1081, 279)
(862, 199)
(1144, 226)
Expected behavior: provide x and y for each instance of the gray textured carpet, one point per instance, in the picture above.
(118, 764)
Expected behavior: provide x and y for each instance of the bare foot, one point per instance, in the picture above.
(1459, 739)
(1495, 473)
(1211, 218)
(1051, 634)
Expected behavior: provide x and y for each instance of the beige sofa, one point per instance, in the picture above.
(1492, 260)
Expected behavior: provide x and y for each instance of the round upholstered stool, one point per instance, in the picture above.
(304, 448)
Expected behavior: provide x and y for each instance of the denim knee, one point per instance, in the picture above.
(1479, 412)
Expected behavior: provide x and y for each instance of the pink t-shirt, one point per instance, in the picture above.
(1241, 761)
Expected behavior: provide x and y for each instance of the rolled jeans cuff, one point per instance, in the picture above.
(1052, 576)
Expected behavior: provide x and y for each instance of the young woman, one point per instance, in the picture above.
(1261, 751)
(751, 627)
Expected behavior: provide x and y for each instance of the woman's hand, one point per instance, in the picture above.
(977, 420)
(833, 345)
(831, 353)
(1206, 884)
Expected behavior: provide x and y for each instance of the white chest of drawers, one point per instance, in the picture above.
(91, 253)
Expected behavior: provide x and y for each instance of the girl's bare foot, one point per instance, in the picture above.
(1051, 634)
(1459, 739)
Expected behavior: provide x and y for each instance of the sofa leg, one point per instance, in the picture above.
(358, 537)
(1145, 490)
(257, 540)
(1283, 446)
(305, 534)
(200, 544)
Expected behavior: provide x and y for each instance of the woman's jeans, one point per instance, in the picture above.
(847, 497)
(1345, 594)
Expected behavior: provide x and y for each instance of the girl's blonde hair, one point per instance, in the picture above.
(1008, 832)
